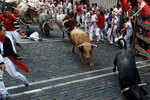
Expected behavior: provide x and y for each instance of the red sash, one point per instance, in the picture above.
(20, 65)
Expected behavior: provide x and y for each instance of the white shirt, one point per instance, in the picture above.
(120, 11)
(117, 11)
(93, 19)
(129, 29)
(69, 6)
(106, 16)
(87, 17)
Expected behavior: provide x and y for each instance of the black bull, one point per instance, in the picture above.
(128, 75)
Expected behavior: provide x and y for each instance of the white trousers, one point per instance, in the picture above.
(10, 68)
(14, 36)
(106, 27)
(83, 19)
(92, 30)
(78, 19)
(112, 36)
(86, 27)
(108, 35)
(2, 85)
(99, 34)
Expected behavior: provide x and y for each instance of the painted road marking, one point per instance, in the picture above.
(68, 76)
(71, 82)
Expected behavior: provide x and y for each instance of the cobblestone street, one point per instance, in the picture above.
(32, 34)
(58, 74)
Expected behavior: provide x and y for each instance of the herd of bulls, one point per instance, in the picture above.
(129, 78)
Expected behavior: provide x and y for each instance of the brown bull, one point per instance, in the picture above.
(12, 3)
(81, 41)
(30, 14)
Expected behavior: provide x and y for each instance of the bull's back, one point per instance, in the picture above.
(78, 37)
(128, 72)
(22, 7)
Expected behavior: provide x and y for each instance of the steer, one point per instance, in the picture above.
(129, 79)
(81, 41)
(62, 22)
(45, 23)
(27, 12)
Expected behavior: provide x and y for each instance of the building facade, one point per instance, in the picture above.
(104, 3)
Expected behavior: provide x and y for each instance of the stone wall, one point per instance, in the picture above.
(104, 3)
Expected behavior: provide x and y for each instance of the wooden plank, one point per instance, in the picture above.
(145, 39)
(145, 26)
(141, 50)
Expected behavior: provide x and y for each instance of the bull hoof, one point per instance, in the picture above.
(83, 62)
(114, 70)
(73, 52)
(92, 65)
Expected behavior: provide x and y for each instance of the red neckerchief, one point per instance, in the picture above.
(2, 39)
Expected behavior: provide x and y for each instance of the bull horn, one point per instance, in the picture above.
(94, 45)
(143, 84)
(125, 89)
(80, 45)
(65, 21)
